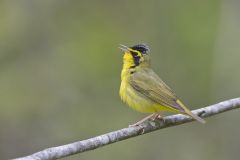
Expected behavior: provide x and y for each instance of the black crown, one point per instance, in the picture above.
(143, 48)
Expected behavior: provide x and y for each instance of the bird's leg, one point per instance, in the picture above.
(156, 116)
(152, 116)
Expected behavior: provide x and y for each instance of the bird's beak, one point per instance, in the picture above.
(123, 48)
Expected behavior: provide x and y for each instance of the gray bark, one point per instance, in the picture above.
(125, 133)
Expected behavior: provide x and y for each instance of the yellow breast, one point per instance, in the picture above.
(134, 99)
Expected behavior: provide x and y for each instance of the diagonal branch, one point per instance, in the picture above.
(125, 133)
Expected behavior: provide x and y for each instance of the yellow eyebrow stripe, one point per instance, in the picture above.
(139, 53)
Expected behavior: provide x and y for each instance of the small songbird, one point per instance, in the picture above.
(143, 90)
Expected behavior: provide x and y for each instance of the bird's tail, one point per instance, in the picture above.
(189, 113)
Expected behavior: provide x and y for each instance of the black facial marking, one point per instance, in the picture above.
(136, 60)
(144, 49)
(135, 54)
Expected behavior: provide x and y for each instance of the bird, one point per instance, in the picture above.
(143, 90)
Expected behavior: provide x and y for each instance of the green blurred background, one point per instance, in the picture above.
(60, 74)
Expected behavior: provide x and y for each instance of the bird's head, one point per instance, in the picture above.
(137, 54)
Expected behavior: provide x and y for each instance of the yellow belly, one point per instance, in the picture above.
(138, 101)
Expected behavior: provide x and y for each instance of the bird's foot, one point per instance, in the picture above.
(142, 120)
(157, 117)
(152, 117)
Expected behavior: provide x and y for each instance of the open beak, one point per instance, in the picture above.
(123, 48)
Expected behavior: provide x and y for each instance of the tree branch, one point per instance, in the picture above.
(125, 133)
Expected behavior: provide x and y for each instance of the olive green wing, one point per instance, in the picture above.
(151, 86)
